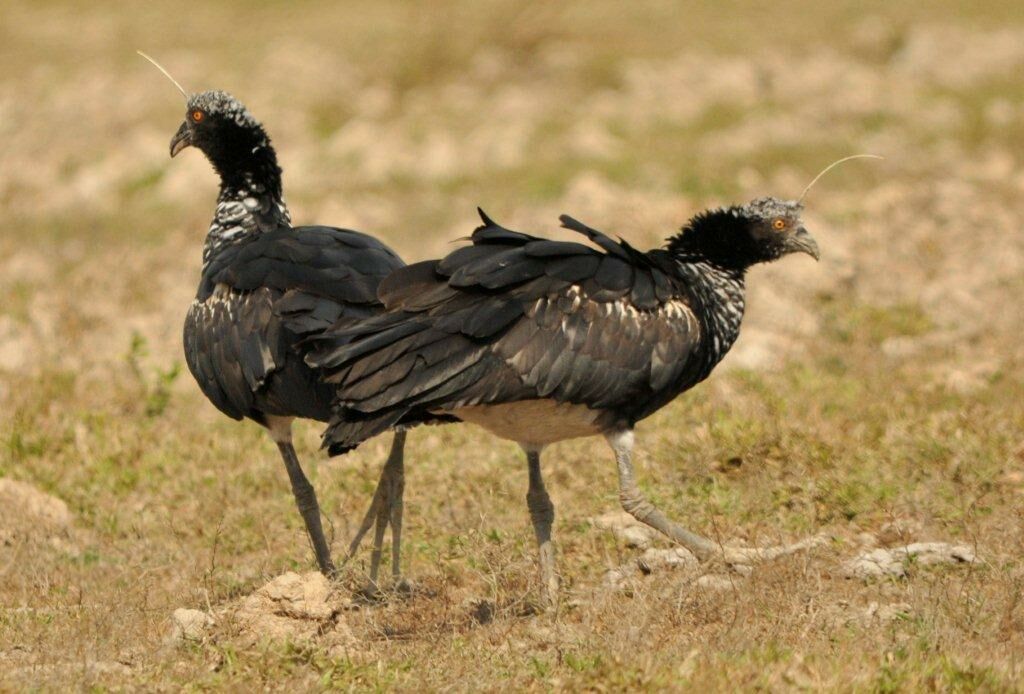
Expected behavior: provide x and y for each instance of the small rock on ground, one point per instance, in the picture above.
(894, 561)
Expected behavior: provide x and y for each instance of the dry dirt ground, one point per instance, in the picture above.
(148, 543)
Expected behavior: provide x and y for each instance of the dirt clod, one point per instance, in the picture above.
(29, 514)
(189, 625)
(290, 609)
(294, 607)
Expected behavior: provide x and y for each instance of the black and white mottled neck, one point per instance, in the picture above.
(720, 298)
(712, 254)
(251, 199)
(244, 207)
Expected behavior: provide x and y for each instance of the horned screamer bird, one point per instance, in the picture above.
(540, 341)
(265, 287)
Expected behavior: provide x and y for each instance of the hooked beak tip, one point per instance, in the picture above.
(803, 242)
(177, 147)
(181, 139)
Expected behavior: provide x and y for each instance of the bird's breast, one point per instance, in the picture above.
(535, 422)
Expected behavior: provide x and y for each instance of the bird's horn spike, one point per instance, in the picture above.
(832, 166)
(160, 67)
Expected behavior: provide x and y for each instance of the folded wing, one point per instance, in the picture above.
(261, 299)
(511, 317)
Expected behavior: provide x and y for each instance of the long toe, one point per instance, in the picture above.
(746, 556)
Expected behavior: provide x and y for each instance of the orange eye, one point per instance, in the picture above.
(779, 224)
(198, 115)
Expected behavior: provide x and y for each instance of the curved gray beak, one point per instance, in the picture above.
(181, 139)
(803, 242)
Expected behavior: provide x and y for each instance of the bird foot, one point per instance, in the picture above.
(737, 557)
(370, 594)
(705, 549)
(404, 586)
(373, 594)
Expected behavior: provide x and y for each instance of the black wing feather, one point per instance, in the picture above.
(511, 317)
(258, 302)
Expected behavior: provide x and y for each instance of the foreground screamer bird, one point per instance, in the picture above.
(265, 287)
(540, 341)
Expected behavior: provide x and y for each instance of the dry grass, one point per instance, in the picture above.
(882, 388)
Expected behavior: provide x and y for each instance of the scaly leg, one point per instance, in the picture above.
(542, 514)
(397, 504)
(386, 507)
(305, 495)
(634, 502)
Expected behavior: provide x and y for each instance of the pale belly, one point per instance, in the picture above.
(535, 422)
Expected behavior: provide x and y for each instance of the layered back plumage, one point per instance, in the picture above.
(514, 317)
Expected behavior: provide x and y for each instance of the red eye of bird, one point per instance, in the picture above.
(779, 224)
(198, 115)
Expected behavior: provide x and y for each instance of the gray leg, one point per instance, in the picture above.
(397, 503)
(368, 520)
(637, 505)
(386, 507)
(305, 499)
(542, 514)
(379, 528)
(305, 496)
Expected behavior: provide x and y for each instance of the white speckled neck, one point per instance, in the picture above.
(243, 211)
(722, 298)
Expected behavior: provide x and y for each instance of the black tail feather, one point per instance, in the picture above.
(493, 233)
(348, 428)
(599, 238)
(488, 222)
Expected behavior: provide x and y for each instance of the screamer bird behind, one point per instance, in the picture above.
(266, 287)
